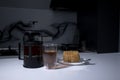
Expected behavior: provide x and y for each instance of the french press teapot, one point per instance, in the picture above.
(33, 49)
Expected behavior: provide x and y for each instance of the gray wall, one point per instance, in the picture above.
(32, 4)
(45, 18)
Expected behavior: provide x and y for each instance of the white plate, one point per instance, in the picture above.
(82, 62)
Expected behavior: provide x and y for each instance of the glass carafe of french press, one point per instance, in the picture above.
(33, 49)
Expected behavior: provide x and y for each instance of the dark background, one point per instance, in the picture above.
(98, 21)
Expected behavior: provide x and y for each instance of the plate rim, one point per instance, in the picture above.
(60, 60)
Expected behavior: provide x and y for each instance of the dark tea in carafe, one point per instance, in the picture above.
(33, 53)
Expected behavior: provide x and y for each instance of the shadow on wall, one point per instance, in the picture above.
(61, 32)
(6, 34)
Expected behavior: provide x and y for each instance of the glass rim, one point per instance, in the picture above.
(50, 44)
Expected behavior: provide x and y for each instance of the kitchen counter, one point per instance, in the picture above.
(105, 67)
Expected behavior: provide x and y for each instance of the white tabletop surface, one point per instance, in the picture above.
(106, 67)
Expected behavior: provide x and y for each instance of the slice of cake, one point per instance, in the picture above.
(71, 56)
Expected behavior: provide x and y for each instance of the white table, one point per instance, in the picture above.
(107, 67)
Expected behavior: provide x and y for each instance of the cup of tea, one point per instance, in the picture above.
(50, 55)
